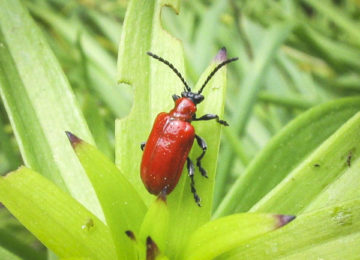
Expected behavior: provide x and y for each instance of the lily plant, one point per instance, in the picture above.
(81, 205)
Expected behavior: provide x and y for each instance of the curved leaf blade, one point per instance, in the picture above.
(153, 82)
(186, 216)
(250, 87)
(40, 104)
(223, 234)
(156, 223)
(122, 206)
(323, 167)
(5, 254)
(41, 206)
(329, 233)
(323, 120)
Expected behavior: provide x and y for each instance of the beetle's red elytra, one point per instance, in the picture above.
(172, 137)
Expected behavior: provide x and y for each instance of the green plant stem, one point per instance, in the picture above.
(287, 102)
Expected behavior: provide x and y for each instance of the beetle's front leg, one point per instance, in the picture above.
(142, 146)
(191, 171)
(210, 117)
(201, 142)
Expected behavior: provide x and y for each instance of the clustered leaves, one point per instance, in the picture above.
(81, 205)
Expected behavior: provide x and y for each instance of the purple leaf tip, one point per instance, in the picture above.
(74, 140)
(221, 55)
(284, 219)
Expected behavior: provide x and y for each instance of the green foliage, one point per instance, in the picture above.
(223, 234)
(317, 234)
(276, 158)
(54, 217)
(323, 120)
(40, 103)
(118, 199)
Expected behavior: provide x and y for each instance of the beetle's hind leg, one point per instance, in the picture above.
(201, 142)
(191, 171)
(142, 146)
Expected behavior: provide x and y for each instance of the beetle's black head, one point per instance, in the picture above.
(195, 97)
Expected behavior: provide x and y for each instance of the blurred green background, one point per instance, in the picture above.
(293, 54)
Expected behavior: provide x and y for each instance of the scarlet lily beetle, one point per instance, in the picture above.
(172, 137)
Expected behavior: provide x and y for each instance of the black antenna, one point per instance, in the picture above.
(214, 71)
(187, 88)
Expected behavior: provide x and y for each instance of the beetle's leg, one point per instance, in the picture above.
(210, 117)
(175, 97)
(201, 142)
(191, 171)
(142, 146)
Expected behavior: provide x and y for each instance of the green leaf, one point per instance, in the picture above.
(323, 167)
(273, 164)
(42, 207)
(153, 82)
(338, 53)
(40, 104)
(10, 158)
(343, 188)
(17, 246)
(250, 86)
(97, 126)
(5, 254)
(108, 26)
(156, 223)
(221, 235)
(206, 34)
(186, 216)
(76, 258)
(286, 101)
(329, 233)
(338, 17)
(101, 65)
(122, 206)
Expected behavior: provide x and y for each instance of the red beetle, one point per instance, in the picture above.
(172, 137)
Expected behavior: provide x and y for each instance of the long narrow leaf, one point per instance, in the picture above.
(5, 254)
(15, 245)
(182, 203)
(153, 83)
(40, 103)
(338, 17)
(323, 167)
(285, 152)
(250, 85)
(122, 206)
(42, 207)
(329, 233)
(224, 234)
(101, 66)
